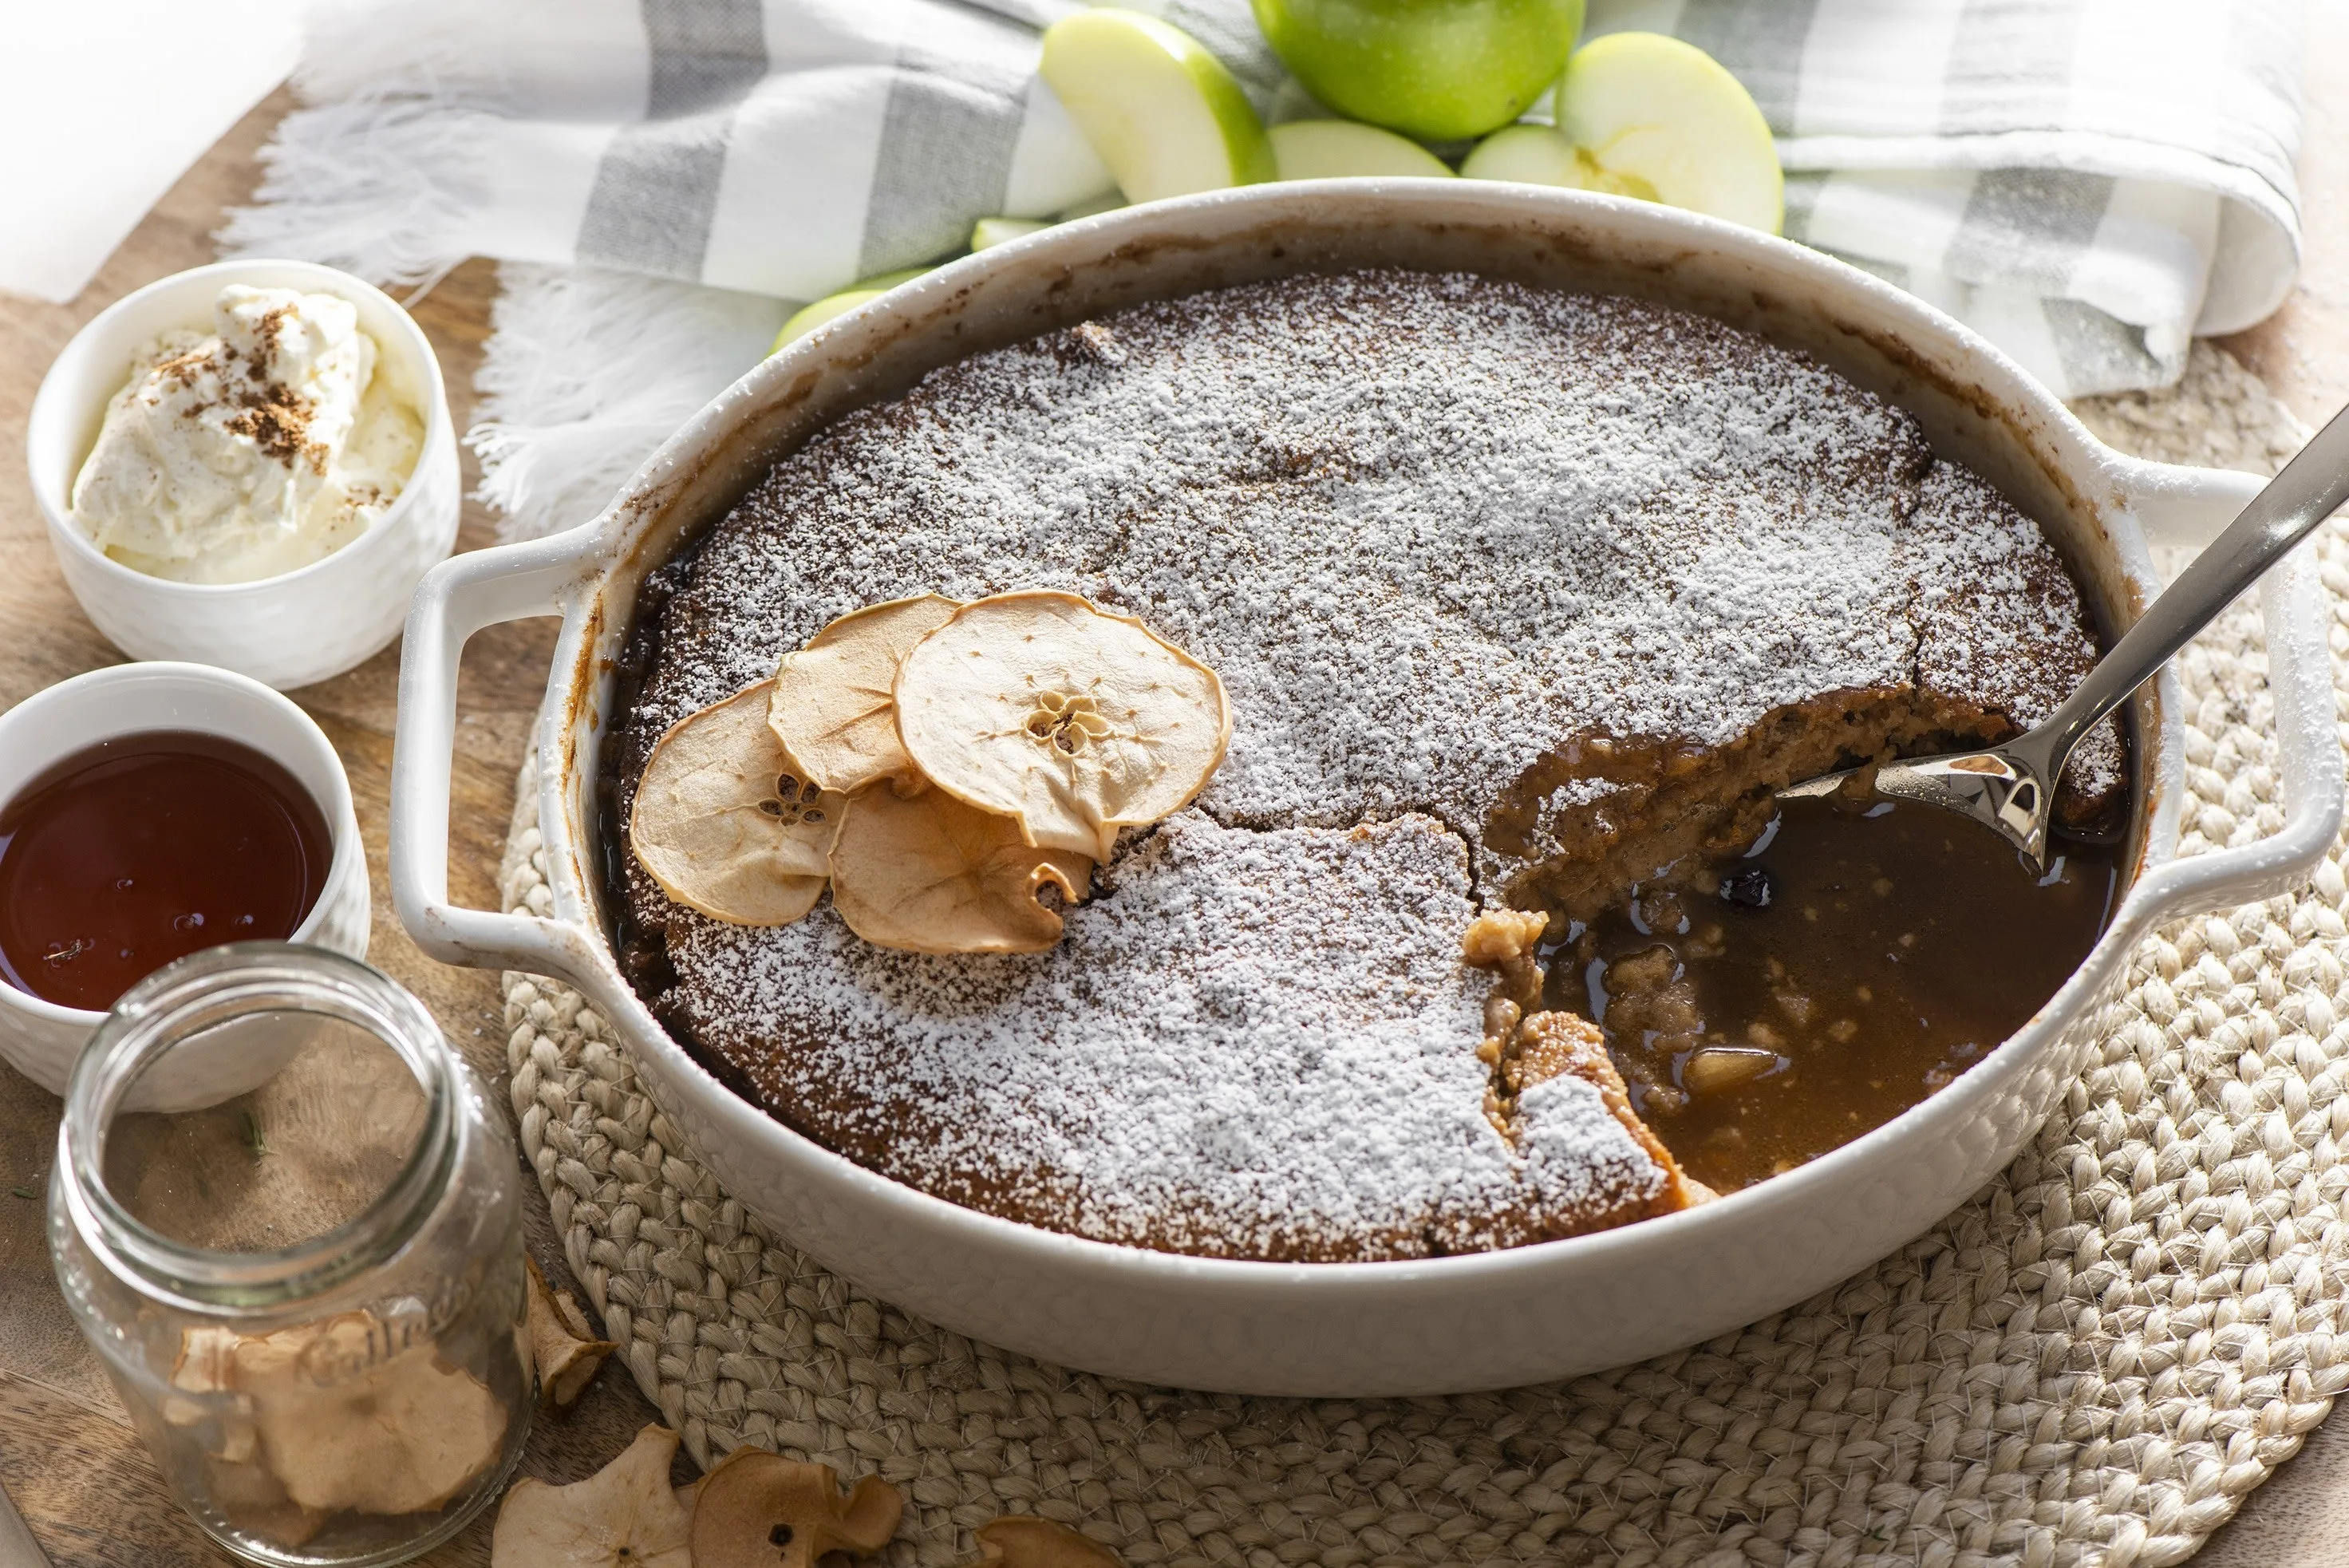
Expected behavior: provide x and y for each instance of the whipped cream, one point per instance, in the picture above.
(253, 451)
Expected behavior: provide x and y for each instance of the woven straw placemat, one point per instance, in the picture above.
(2092, 1362)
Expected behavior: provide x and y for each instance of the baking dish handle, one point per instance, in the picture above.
(2188, 506)
(455, 599)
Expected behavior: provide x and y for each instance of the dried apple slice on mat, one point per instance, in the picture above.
(1071, 722)
(565, 1349)
(1017, 1541)
(722, 824)
(931, 875)
(626, 1515)
(758, 1509)
(831, 708)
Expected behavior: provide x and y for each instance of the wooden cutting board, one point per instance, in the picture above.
(66, 1454)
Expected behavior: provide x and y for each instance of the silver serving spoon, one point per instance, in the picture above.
(2011, 787)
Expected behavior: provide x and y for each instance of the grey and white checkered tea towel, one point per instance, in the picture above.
(2087, 181)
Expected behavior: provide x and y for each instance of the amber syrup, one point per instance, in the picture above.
(145, 848)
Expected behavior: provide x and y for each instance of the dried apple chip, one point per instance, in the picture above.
(626, 1515)
(253, 1498)
(1018, 1540)
(204, 1378)
(1071, 720)
(564, 1351)
(928, 874)
(361, 1413)
(758, 1509)
(831, 708)
(721, 823)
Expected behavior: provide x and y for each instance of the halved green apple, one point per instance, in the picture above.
(808, 318)
(989, 232)
(1528, 154)
(1652, 117)
(1344, 149)
(1162, 112)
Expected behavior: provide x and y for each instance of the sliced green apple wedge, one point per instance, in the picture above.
(1345, 149)
(1107, 201)
(1528, 154)
(808, 318)
(989, 232)
(1652, 117)
(1162, 112)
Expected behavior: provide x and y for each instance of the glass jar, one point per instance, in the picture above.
(289, 1219)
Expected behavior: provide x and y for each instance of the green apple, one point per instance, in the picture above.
(1528, 154)
(1162, 112)
(808, 318)
(1652, 117)
(1338, 149)
(989, 232)
(1107, 201)
(1441, 70)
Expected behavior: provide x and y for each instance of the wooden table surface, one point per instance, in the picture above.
(66, 1454)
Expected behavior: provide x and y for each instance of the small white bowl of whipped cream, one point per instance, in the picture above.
(249, 464)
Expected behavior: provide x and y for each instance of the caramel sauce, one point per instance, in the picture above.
(1766, 1008)
(145, 848)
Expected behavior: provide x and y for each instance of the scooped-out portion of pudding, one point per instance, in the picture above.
(1517, 596)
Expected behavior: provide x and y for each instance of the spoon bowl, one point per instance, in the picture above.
(1997, 788)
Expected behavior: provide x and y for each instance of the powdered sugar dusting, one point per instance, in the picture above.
(1259, 1044)
(1429, 530)
(1998, 621)
(1424, 527)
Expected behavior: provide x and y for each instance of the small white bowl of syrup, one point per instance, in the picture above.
(147, 811)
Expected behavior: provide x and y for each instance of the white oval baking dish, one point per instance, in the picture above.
(1443, 1325)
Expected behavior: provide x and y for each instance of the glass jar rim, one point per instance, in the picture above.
(215, 986)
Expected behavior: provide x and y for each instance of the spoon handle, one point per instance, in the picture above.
(2279, 516)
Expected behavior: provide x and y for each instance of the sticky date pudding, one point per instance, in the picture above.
(1520, 597)
(1769, 1005)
